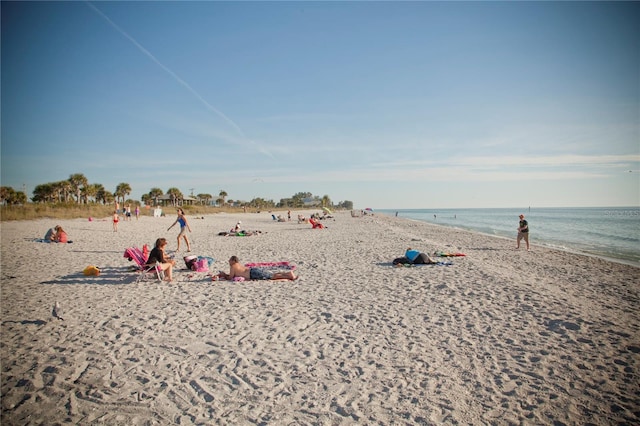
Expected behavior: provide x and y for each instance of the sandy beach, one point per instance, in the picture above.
(499, 337)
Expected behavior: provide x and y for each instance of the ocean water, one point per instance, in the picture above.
(610, 232)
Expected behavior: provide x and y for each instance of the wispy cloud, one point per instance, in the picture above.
(180, 81)
(484, 162)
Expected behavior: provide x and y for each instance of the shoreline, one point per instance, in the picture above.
(500, 336)
(544, 245)
(630, 258)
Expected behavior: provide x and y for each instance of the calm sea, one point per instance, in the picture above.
(602, 231)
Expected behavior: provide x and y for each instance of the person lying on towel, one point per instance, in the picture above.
(236, 269)
(414, 257)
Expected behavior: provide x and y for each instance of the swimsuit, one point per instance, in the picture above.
(259, 274)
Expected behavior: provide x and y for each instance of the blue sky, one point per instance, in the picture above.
(386, 104)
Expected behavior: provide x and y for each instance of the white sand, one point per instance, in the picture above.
(499, 337)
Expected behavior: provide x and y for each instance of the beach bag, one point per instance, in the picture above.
(190, 261)
(201, 265)
(91, 271)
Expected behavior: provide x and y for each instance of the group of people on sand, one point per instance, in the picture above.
(236, 269)
(414, 257)
(126, 213)
(56, 235)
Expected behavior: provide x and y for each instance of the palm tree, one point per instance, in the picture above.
(223, 194)
(109, 197)
(42, 193)
(122, 190)
(62, 190)
(101, 193)
(5, 193)
(18, 197)
(155, 193)
(204, 198)
(77, 182)
(90, 191)
(175, 195)
(326, 201)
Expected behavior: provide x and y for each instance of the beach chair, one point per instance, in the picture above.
(315, 224)
(144, 271)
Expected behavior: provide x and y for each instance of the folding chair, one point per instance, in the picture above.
(144, 271)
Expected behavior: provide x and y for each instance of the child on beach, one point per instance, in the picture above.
(184, 226)
(116, 219)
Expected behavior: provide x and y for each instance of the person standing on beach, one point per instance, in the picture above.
(523, 232)
(116, 219)
(184, 226)
(137, 212)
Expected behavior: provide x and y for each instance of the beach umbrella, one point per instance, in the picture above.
(369, 209)
(326, 210)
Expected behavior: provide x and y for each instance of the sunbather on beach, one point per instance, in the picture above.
(236, 269)
(158, 255)
(414, 257)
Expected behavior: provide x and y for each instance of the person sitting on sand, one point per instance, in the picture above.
(60, 236)
(50, 236)
(157, 254)
(236, 269)
(315, 224)
(414, 257)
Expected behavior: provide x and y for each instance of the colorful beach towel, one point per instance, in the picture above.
(42, 240)
(445, 254)
(411, 265)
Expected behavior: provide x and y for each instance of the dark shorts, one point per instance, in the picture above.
(259, 274)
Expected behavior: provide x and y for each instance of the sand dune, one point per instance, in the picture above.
(498, 337)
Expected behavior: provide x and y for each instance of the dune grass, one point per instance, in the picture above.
(73, 211)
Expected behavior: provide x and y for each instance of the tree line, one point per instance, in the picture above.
(77, 189)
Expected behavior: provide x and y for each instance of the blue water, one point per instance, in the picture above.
(611, 232)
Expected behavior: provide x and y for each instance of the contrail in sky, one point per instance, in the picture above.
(171, 73)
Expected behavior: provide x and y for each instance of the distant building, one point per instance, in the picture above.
(168, 200)
(311, 202)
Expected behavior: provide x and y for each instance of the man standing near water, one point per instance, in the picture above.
(523, 232)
